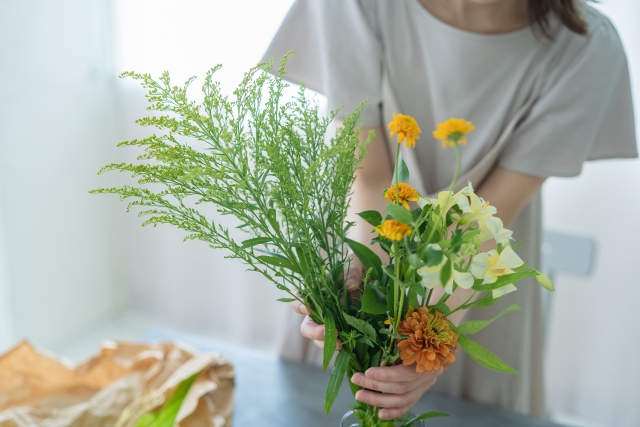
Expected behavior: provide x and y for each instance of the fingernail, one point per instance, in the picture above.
(356, 378)
(358, 395)
(370, 373)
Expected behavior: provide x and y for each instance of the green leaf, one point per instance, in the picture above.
(365, 340)
(278, 262)
(368, 258)
(486, 301)
(419, 290)
(504, 280)
(456, 240)
(335, 382)
(445, 273)
(362, 326)
(330, 339)
(372, 217)
(442, 307)
(517, 245)
(167, 415)
(302, 260)
(424, 416)
(545, 282)
(484, 356)
(473, 326)
(403, 171)
(373, 301)
(255, 241)
(399, 213)
(432, 256)
(286, 299)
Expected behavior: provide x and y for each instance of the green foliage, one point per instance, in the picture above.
(484, 356)
(257, 158)
(335, 382)
(369, 259)
(330, 339)
(372, 217)
(473, 326)
(507, 279)
(373, 301)
(167, 415)
(399, 213)
(425, 416)
(362, 326)
(403, 171)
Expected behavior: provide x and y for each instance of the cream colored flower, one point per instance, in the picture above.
(446, 200)
(475, 209)
(431, 275)
(491, 265)
(492, 228)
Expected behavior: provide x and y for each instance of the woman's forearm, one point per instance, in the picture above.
(373, 176)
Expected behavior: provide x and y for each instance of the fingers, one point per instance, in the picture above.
(313, 331)
(395, 389)
(299, 308)
(393, 373)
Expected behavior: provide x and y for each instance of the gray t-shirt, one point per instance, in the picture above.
(550, 105)
(541, 107)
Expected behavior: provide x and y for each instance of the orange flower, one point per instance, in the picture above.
(453, 131)
(431, 344)
(393, 230)
(407, 129)
(406, 193)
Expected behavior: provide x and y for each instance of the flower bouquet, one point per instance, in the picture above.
(271, 165)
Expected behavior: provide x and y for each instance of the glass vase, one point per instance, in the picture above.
(350, 420)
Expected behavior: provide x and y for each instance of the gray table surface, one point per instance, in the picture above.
(274, 392)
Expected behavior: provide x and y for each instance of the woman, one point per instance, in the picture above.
(545, 82)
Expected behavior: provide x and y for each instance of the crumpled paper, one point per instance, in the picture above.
(113, 388)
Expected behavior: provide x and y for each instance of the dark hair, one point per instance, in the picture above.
(566, 10)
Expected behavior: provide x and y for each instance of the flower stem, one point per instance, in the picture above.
(396, 174)
(457, 171)
(396, 287)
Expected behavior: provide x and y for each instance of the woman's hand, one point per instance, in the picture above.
(310, 329)
(394, 389)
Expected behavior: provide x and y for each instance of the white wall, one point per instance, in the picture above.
(56, 130)
(593, 347)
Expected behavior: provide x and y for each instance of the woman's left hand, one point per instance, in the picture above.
(394, 389)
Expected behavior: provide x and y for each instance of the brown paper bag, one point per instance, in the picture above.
(113, 388)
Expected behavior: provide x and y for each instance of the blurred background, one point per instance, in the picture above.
(75, 269)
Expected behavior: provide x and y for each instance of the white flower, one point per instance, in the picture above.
(431, 275)
(446, 200)
(493, 228)
(489, 266)
(476, 209)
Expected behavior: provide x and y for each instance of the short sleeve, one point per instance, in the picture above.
(336, 52)
(585, 113)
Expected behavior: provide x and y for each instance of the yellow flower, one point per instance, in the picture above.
(407, 129)
(406, 193)
(453, 131)
(393, 230)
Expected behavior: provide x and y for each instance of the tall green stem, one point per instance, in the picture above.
(457, 171)
(396, 174)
